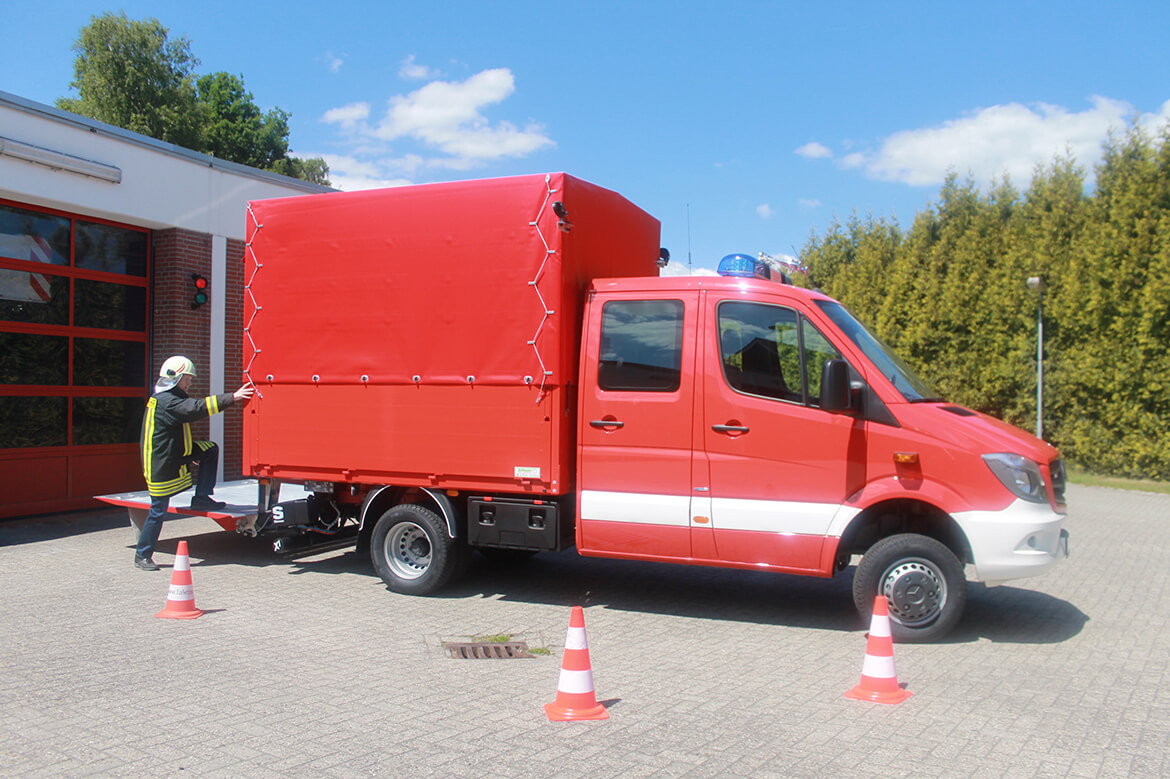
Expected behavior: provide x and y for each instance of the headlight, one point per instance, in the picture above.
(1019, 474)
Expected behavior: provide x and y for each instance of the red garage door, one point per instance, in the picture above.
(74, 303)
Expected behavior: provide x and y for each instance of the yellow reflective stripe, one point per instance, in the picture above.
(163, 488)
(212, 405)
(186, 439)
(148, 439)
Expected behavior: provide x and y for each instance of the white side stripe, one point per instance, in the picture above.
(767, 516)
(635, 507)
(772, 515)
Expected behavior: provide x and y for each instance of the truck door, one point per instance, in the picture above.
(636, 426)
(779, 466)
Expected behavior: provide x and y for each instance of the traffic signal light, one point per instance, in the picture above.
(201, 289)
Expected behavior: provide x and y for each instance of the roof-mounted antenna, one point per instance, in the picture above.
(689, 238)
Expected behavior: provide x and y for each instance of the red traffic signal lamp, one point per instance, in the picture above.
(201, 289)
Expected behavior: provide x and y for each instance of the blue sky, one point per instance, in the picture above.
(742, 126)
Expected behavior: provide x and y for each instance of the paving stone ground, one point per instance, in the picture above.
(312, 668)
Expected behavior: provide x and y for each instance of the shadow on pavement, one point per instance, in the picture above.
(567, 579)
(1002, 614)
(1014, 615)
(219, 547)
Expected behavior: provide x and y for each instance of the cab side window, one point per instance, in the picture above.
(772, 352)
(641, 346)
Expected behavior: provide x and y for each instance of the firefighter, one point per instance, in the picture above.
(168, 451)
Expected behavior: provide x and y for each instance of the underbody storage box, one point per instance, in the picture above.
(427, 335)
(519, 524)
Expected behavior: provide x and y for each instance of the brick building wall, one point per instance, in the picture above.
(176, 328)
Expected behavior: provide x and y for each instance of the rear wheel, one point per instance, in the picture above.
(922, 581)
(412, 552)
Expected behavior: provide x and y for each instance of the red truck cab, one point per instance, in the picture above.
(740, 422)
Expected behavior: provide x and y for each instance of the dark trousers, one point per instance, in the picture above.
(208, 460)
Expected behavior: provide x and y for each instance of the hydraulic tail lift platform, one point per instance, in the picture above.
(239, 513)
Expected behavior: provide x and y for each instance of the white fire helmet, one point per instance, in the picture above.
(176, 366)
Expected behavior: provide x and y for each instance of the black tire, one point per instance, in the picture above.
(412, 552)
(922, 580)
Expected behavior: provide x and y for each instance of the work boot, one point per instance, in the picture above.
(206, 503)
(145, 563)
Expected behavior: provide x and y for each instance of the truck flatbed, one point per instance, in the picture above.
(240, 497)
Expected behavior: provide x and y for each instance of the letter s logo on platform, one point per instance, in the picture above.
(278, 513)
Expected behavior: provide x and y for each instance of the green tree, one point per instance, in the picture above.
(311, 169)
(233, 126)
(1113, 392)
(950, 296)
(133, 75)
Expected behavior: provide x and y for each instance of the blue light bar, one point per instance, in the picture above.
(744, 266)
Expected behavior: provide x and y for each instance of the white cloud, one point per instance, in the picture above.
(447, 115)
(333, 61)
(1007, 139)
(990, 142)
(347, 115)
(809, 202)
(414, 72)
(351, 174)
(854, 160)
(814, 151)
(447, 119)
(764, 210)
(675, 268)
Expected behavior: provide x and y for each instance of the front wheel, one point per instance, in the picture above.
(921, 579)
(412, 552)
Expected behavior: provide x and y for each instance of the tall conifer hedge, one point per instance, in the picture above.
(949, 295)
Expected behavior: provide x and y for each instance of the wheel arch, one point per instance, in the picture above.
(894, 516)
(382, 499)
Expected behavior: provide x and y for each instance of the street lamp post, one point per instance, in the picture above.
(1037, 285)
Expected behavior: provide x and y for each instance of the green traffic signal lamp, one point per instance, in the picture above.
(201, 289)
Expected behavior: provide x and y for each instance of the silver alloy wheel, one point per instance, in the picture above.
(407, 550)
(916, 591)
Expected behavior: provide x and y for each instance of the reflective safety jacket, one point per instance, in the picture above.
(166, 438)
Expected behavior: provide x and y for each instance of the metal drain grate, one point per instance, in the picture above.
(487, 650)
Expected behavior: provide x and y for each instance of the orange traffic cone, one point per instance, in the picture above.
(181, 597)
(575, 699)
(879, 680)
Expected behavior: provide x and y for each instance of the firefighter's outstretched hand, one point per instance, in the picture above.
(244, 393)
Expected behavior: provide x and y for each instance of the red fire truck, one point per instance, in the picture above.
(498, 365)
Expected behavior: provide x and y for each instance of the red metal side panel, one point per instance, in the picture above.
(427, 334)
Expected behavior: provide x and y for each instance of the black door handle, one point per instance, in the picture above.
(604, 423)
(730, 428)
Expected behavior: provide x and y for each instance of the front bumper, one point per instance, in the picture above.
(1024, 539)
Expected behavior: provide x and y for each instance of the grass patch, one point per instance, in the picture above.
(1077, 475)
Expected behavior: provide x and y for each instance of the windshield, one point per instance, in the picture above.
(882, 356)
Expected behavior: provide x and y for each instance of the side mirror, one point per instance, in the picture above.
(836, 395)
